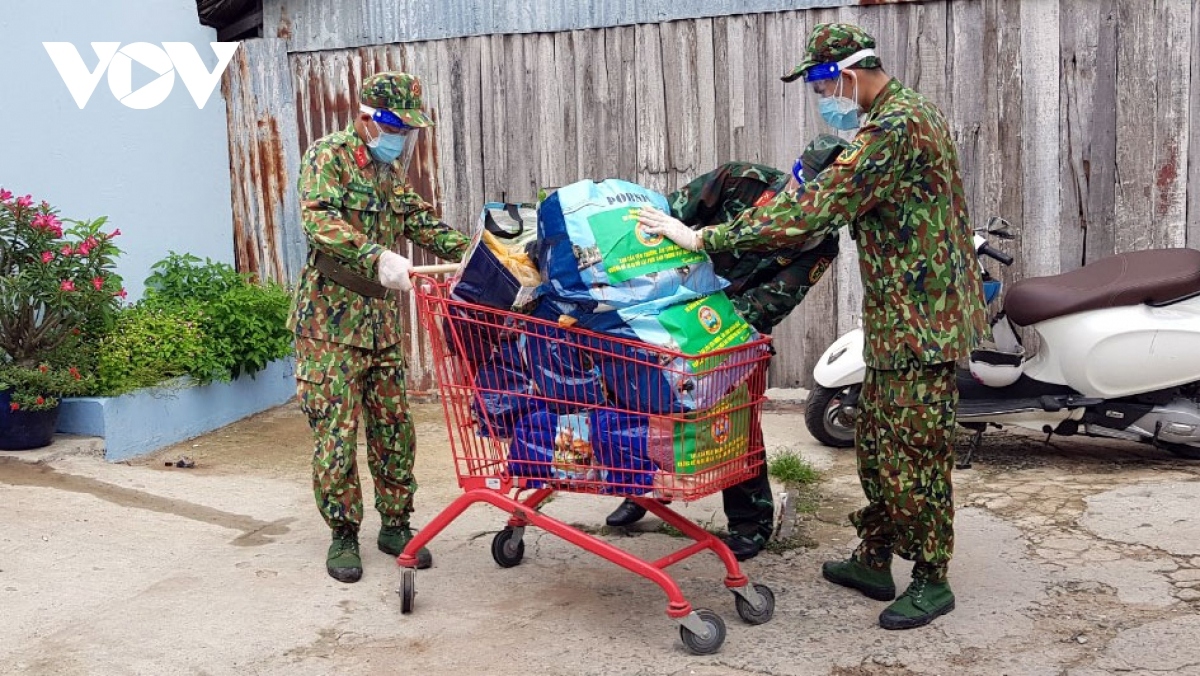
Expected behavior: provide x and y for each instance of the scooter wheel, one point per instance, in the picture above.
(826, 417)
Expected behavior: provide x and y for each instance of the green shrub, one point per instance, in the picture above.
(199, 318)
(150, 345)
(789, 467)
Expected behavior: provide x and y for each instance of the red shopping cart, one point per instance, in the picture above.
(534, 406)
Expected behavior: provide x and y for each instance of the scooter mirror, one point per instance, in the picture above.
(1000, 228)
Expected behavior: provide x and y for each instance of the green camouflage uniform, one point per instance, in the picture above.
(898, 189)
(349, 358)
(764, 288)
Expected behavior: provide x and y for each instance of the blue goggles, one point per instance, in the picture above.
(828, 71)
(385, 116)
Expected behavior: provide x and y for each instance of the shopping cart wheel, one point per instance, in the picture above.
(508, 547)
(760, 612)
(710, 641)
(408, 590)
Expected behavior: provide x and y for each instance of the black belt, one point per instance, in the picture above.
(345, 277)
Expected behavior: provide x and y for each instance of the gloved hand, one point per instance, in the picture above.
(656, 222)
(394, 270)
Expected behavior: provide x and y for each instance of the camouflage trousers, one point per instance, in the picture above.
(336, 384)
(904, 440)
(748, 505)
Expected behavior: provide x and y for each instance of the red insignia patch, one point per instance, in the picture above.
(360, 157)
(764, 198)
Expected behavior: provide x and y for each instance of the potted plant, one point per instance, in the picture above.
(57, 288)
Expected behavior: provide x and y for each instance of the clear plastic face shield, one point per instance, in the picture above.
(395, 141)
(838, 107)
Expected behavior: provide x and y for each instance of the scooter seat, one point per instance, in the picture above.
(1157, 277)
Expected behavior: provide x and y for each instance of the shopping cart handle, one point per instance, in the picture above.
(444, 269)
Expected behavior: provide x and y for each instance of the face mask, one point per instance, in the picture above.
(840, 112)
(386, 147)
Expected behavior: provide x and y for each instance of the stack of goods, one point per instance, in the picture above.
(620, 406)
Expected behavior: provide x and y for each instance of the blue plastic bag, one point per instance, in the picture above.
(558, 369)
(505, 394)
(548, 445)
(620, 443)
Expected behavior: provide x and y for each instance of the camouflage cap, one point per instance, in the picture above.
(397, 92)
(820, 153)
(831, 42)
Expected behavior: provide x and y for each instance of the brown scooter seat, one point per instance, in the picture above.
(1157, 276)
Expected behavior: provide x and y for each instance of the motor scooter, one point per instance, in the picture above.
(1119, 356)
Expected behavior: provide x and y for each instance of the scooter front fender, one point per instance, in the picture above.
(842, 363)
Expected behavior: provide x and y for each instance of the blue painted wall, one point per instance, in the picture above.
(160, 175)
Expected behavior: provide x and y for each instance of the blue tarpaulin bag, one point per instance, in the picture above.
(558, 369)
(504, 392)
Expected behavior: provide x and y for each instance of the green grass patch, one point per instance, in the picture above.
(793, 470)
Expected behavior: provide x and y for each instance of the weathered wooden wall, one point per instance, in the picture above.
(1072, 118)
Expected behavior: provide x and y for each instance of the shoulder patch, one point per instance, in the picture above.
(850, 155)
(360, 157)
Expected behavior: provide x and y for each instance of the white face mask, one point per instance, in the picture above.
(841, 112)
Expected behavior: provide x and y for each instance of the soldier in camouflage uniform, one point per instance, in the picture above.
(357, 209)
(764, 289)
(898, 189)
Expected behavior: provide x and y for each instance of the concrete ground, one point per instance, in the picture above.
(1078, 558)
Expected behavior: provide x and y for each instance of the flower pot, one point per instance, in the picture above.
(24, 430)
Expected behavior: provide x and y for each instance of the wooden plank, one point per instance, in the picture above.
(1040, 106)
(965, 108)
(622, 138)
(1193, 187)
(1088, 133)
(1173, 45)
(1136, 93)
(567, 156)
(491, 105)
(682, 105)
(591, 104)
(548, 99)
(722, 88)
(652, 151)
(705, 94)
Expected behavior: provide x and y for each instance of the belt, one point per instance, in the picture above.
(345, 277)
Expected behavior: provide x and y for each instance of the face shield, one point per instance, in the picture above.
(395, 141)
(838, 107)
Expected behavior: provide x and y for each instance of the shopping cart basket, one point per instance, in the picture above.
(534, 407)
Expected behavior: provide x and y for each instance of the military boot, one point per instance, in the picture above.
(874, 583)
(393, 540)
(920, 604)
(343, 562)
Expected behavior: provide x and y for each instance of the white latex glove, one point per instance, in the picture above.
(394, 270)
(656, 222)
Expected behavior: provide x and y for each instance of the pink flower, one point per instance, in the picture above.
(66, 250)
(67, 285)
(5, 195)
(47, 256)
(47, 222)
(98, 282)
(114, 233)
(121, 294)
(84, 249)
(26, 201)
(45, 204)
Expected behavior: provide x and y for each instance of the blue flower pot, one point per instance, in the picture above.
(24, 430)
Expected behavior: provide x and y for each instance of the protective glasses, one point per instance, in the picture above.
(385, 117)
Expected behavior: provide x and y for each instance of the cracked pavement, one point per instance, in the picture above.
(1076, 558)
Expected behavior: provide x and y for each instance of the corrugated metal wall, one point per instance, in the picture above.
(1072, 118)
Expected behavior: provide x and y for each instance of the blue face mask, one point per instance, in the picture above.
(841, 113)
(387, 147)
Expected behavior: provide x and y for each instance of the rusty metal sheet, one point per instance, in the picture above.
(264, 160)
(312, 25)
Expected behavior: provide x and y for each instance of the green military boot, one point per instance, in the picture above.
(875, 584)
(393, 540)
(343, 562)
(919, 605)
